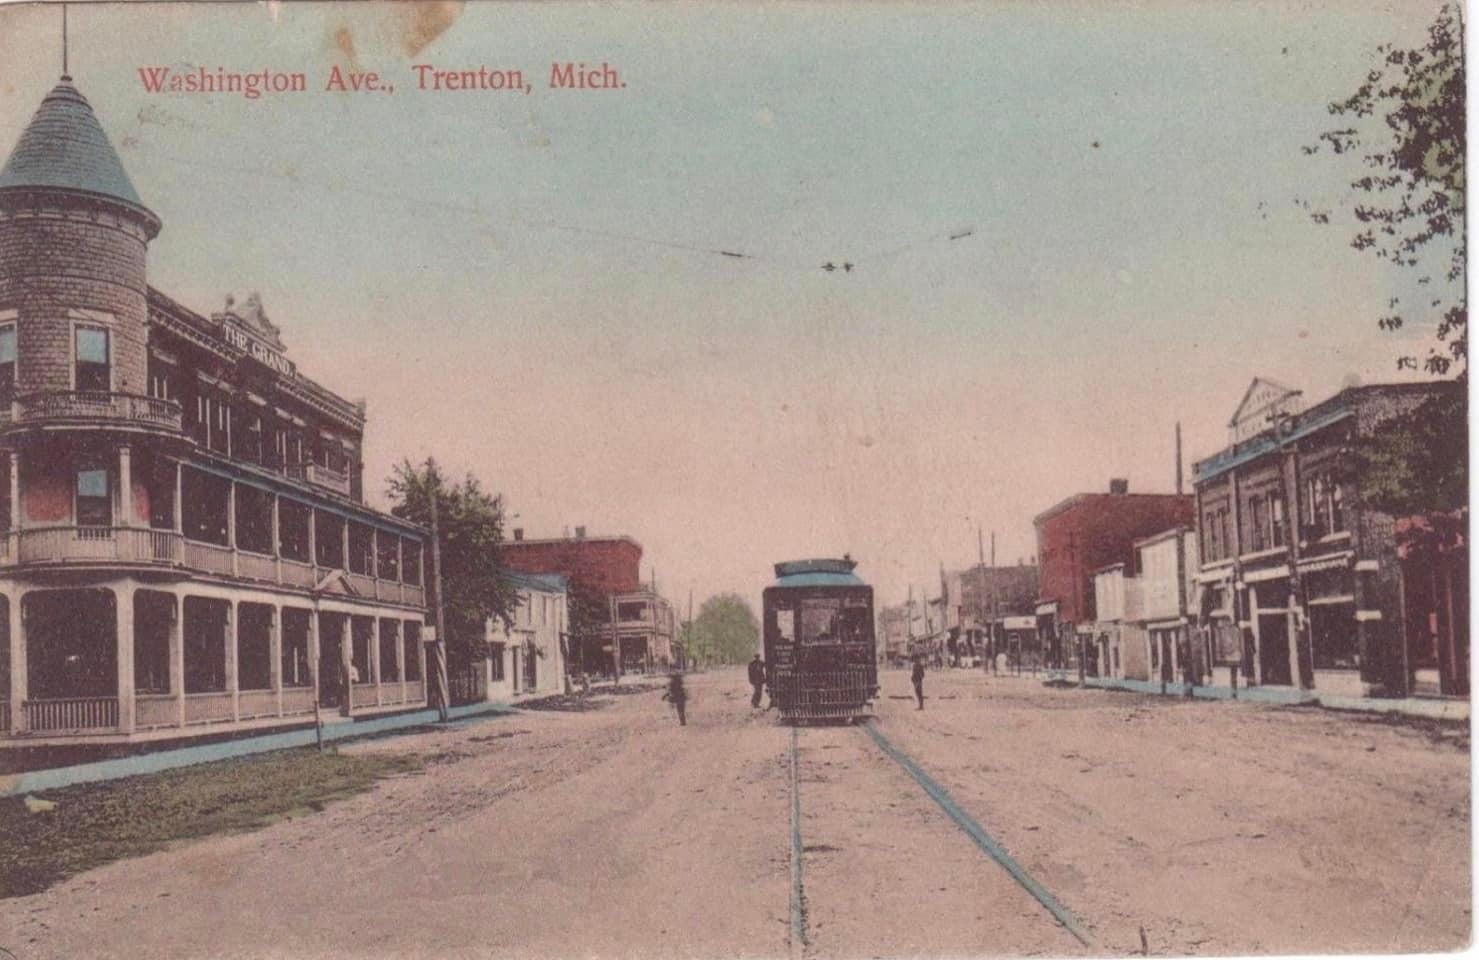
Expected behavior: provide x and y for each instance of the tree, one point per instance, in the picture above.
(1412, 215)
(471, 527)
(1412, 209)
(726, 629)
(590, 618)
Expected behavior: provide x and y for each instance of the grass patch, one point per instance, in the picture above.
(94, 824)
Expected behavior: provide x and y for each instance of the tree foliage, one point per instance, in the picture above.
(1418, 462)
(471, 527)
(725, 630)
(1412, 207)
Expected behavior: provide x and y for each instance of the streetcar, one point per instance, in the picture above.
(818, 640)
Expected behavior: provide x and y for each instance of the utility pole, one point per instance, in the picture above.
(688, 634)
(432, 484)
(988, 646)
(1187, 668)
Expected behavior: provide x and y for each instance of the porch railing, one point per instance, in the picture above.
(256, 703)
(363, 695)
(208, 557)
(295, 574)
(363, 585)
(156, 710)
(72, 713)
(256, 566)
(83, 405)
(4, 716)
(415, 691)
(319, 475)
(207, 707)
(114, 544)
(297, 700)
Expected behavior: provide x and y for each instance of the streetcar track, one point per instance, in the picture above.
(972, 829)
(797, 941)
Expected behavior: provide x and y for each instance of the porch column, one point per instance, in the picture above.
(276, 544)
(233, 685)
(17, 690)
(313, 543)
(125, 486)
(274, 651)
(400, 656)
(179, 502)
(177, 655)
(313, 651)
(124, 632)
(346, 647)
(344, 544)
(16, 514)
(374, 652)
(231, 529)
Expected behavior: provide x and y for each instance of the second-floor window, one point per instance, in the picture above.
(94, 499)
(7, 362)
(93, 368)
(1324, 506)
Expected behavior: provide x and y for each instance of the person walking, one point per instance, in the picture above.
(918, 679)
(757, 679)
(677, 696)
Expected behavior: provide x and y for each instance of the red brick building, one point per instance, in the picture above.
(638, 626)
(1082, 534)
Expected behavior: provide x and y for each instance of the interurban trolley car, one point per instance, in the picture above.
(819, 641)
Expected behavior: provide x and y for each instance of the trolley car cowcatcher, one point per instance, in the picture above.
(819, 641)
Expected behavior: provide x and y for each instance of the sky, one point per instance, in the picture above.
(528, 286)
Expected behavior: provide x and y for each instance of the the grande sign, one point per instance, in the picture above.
(259, 351)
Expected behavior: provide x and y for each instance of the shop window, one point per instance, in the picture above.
(93, 373)
(7, 363)
(1333, 636)
(253, 519)
(293, 519)
(94, 498)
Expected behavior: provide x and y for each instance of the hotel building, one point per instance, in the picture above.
(186, 549)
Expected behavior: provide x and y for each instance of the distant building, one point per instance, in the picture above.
(605, 571)
(1303, 586)
(892, 636)
(1081, 535)
(1142, 629)
(529, 656)
(978, 600)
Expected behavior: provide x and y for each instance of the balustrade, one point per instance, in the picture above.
(72, 713)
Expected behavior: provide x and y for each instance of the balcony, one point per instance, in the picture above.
(319, 475)
(92, 545)
(75, 408)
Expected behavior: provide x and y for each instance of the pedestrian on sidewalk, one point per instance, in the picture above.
(918, 679)
(677, 696)
(757, 679)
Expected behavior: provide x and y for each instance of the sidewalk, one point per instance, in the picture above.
(34, 781)
(1433, 709)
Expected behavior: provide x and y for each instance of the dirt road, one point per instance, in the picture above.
(1217, 828)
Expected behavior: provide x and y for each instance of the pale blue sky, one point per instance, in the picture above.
(732, 413)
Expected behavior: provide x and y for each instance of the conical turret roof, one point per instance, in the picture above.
(64, 148)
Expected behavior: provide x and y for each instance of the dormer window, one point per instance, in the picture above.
(93, 367)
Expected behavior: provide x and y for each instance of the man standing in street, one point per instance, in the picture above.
(918, 678)
(757, 679)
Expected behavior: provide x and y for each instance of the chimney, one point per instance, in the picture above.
(1119, 485)
(518, 533)
(580, 533)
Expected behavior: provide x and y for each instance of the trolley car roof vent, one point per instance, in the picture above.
(821, 572)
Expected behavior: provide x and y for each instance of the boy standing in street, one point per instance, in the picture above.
(918, 678)
(677, 696)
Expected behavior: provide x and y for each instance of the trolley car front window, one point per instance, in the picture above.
(820, 621)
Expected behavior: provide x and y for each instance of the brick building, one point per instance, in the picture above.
(185, 546)
(979, 599)
(1300, 583)
(637, 624)
(1078, 537)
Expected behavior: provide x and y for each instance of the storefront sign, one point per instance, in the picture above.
(259, 351)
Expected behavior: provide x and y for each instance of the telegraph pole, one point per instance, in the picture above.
(989, 646)
(436, 584)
